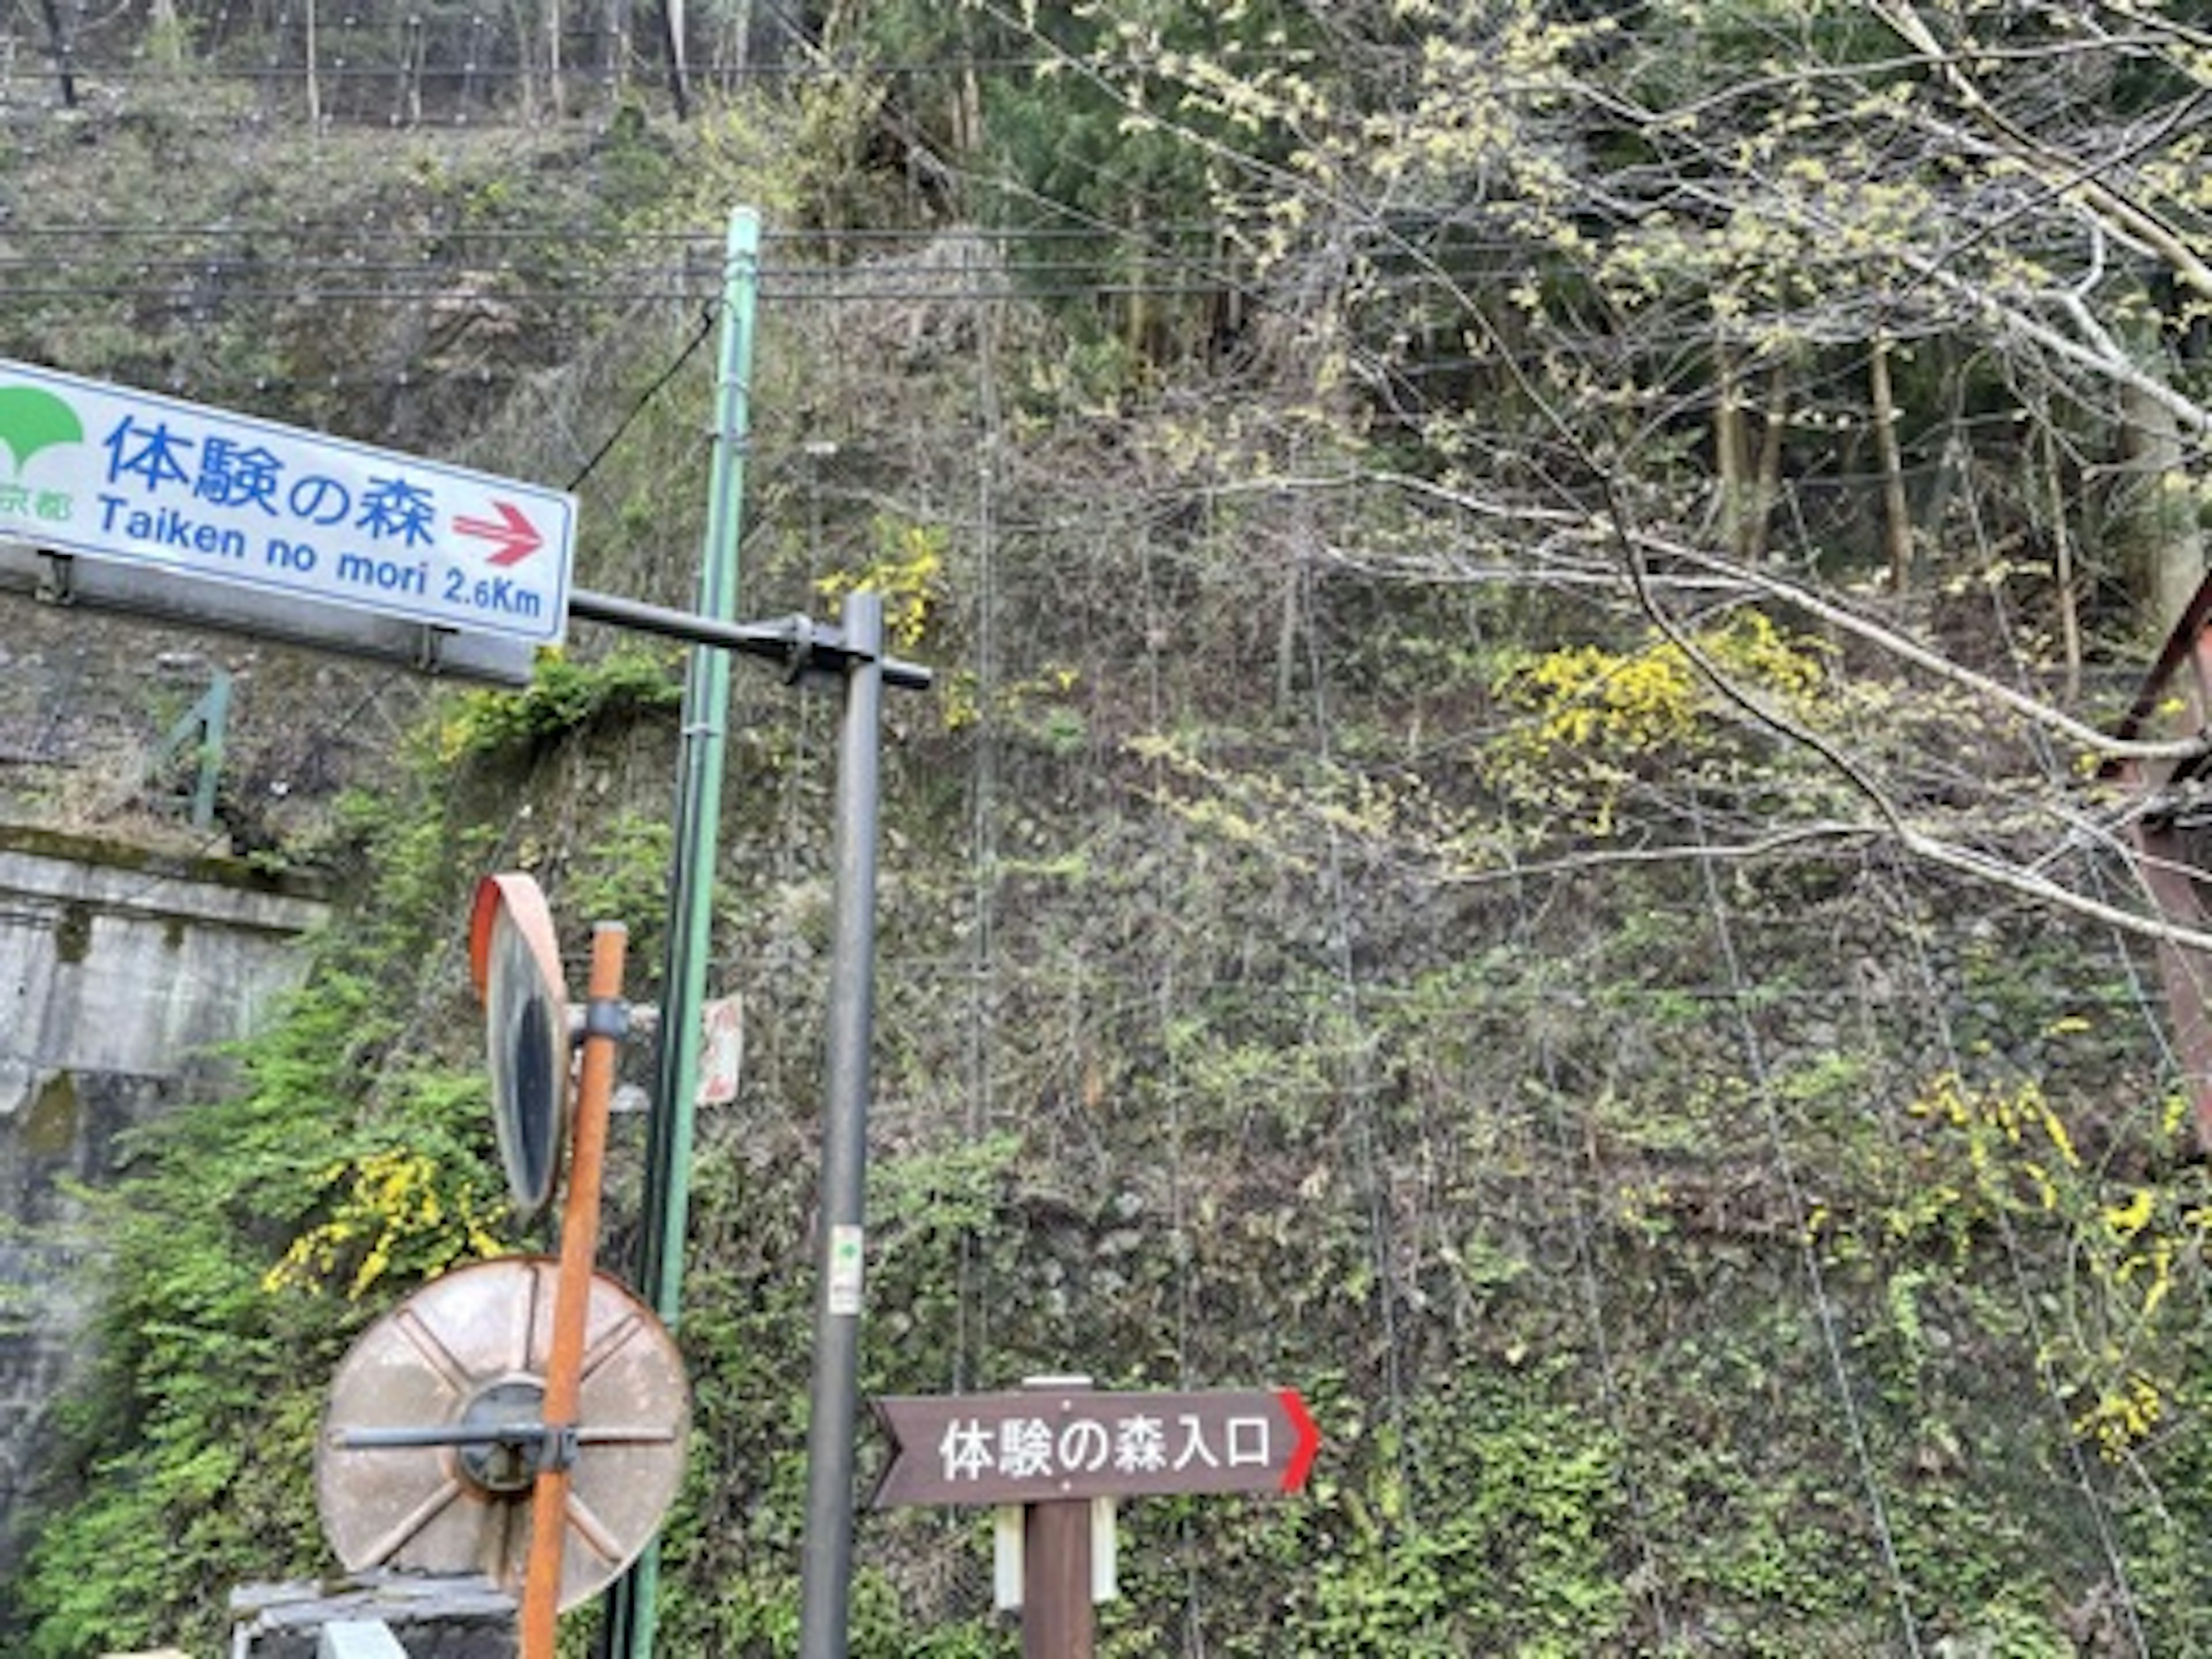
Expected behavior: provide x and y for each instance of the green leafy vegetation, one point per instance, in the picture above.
(563, 697)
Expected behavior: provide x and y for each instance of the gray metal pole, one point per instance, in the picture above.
(827, 1565)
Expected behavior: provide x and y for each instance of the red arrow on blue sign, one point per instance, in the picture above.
(518, 538)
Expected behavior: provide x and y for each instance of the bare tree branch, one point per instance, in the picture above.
(2123, 215)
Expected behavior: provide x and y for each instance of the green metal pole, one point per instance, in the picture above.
(631, 1613)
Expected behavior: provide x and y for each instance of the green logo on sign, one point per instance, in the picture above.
(31, 419)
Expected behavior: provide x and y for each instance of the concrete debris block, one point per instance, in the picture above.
(359, 1639)
(461, 1618)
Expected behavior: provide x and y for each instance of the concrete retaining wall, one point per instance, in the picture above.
(118, 971)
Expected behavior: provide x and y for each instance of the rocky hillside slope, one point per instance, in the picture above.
(1304, 962)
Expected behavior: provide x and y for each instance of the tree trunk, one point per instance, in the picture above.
(968, 124)
(1137, 317)
(165, 35)
(63, 75)
(1766, 489)
(2061, 569)
(1896, 516)
(672, 40)
(314, 82)
(1731, 449)
(2164, 544)
(554, 24)
(414, 60)
(613, 48)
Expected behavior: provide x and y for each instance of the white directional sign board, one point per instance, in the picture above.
(126, 475)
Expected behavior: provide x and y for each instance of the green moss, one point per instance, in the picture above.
(73, 933)
(51, 1129)
(37, 842)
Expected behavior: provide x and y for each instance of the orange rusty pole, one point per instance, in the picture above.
(579, 1240)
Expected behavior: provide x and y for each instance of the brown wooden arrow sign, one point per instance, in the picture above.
(1049, 1445)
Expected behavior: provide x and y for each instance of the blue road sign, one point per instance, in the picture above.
(116, 474)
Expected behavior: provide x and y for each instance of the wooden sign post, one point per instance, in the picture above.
(1053, 1448)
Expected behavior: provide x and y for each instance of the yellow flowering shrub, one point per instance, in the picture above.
(2131, 1244)
(908, 570)
(1591, 714)
(387, 1209)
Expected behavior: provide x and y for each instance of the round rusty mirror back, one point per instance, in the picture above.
(480, 1334)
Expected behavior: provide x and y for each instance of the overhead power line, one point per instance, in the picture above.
(577, 230)
(186, 303)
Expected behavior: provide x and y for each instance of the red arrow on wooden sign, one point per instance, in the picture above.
(517, 537)
(1047, 1445)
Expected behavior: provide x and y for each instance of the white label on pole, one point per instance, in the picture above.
(132, 477)
(1105, 1552)
(723, 1030)
(1007, 1522)
(847, 1256)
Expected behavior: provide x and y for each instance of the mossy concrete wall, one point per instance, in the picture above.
(121, 974)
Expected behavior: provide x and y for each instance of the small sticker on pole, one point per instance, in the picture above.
(848, 1252)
